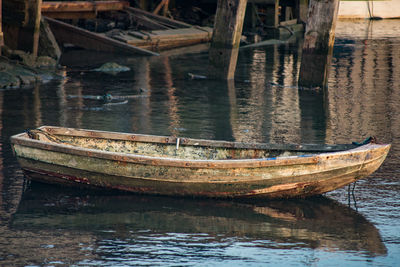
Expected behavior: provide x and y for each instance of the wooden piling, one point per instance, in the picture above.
(36, 31)
(225, 42)
(318, 43)
(1, 30)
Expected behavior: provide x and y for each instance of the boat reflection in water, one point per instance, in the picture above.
(107, 225)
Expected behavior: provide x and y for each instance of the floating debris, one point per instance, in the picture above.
(106, 97)
(112, 67)
(196, 76)
(116, 103)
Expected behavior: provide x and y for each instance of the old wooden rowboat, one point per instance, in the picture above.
(191, 167)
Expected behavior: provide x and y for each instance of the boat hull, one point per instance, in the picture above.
(285, 177)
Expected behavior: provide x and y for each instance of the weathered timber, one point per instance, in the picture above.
(151, 23)
(302, 11)
(21, 24)
(166, 21)
(225, 42)
(66, 33)
(1, 29)
(318, 43)
(48, 45)
(80, 9)
(36, 29)
(191, 167)
(166, 39)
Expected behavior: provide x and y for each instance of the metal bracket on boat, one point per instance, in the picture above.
(177, 143)
(369, 140)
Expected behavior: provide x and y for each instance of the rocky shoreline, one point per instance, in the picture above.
(18, 68)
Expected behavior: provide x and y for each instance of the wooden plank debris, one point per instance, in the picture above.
(1, 31)
(165, 39)
(66, 33)
(146, 31)
(80, 9)
(170, 22)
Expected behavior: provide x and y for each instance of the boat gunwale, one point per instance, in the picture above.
(21, 139)
(172, 140)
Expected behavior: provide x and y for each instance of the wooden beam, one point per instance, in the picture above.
(318, 43)
(36, 30)
(81, 9)
(159, 6)
(225, 42)
(79, 6)
(1, 29)
(169, 22)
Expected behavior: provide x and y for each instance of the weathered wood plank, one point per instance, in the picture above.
(48, 45)
(80, 6)
(170, 22)
(1, 28)
(66, 33)
(161, 40)
(151, 24)
(81, 9)
(36, 30)
(205, 32)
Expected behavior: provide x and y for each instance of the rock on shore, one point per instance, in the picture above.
(18, 68)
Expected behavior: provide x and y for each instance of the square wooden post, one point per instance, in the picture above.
(225, 42)
(36, 29)
(1, 29)
(318, 43)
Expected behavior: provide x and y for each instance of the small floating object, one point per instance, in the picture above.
(178, 166)
(107, 97)
(112, 67)
(196, 76)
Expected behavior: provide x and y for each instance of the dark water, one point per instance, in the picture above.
(52, 226)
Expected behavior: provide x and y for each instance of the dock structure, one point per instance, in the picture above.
(150, 33)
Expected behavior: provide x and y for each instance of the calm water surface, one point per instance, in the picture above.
(52, 226)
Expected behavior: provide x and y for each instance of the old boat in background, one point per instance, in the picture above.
(191, 167)
(114, 26)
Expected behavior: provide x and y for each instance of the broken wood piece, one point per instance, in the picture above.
(81, 9)
(159, 6)
(138, 35)
(151, 24)
(160, 40)
(81, 6)
(171, 22)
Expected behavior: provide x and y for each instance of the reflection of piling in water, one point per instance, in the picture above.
(318, 43)
(226, 38)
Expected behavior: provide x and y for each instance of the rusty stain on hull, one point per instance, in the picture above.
(157, 165)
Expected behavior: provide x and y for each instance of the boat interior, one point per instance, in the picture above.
(173, 147)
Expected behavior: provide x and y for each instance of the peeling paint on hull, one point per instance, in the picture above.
(201, 168)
